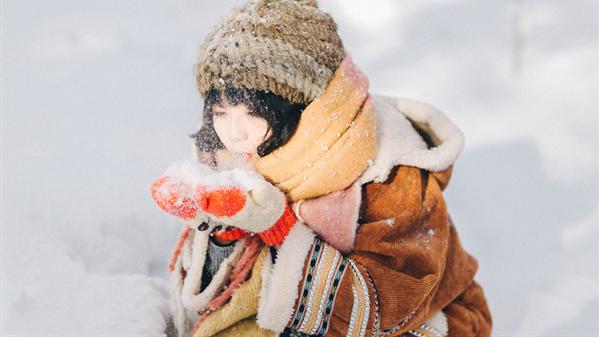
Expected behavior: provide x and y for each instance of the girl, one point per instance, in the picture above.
(324, 215)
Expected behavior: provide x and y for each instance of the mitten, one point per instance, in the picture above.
(173, 191)
(175, 197)
(250, 203)
(234, 198)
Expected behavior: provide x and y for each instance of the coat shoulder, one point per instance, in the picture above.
(412, 133)
(411, 202)
(407, 189)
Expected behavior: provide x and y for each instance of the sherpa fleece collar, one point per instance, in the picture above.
(400, 144)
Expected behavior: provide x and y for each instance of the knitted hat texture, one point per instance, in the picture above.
(288, 47)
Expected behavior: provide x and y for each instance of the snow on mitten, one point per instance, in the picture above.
(175, 197)
(173, 191)
(249, 202)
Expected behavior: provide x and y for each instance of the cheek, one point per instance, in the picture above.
(220, 128)
(257, 127)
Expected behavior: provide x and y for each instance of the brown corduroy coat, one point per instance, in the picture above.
(416, 261)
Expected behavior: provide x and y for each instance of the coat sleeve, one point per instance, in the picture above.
(387, 283)
(469, 314)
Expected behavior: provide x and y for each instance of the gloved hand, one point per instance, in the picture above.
(237, 198)
(247, 201)
(175, 196)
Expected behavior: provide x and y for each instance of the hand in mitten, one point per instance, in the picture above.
(236, 198)
(174, 193)
(175, 197)
(246, 201)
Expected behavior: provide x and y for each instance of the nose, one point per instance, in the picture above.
(237, 132)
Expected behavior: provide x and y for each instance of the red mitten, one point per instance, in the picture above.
(263, 210)
(223, 201)
(175, 197)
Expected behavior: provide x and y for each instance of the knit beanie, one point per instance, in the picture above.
(288, 47)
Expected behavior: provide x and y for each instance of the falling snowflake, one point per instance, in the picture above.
(425, 239)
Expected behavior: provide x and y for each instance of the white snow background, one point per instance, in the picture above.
(98, 98)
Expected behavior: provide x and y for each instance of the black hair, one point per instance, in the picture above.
(281, 115)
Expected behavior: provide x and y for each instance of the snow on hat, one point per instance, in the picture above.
(288, 47)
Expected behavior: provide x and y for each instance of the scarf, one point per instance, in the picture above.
(334, 143)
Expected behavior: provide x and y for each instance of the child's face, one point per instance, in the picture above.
(240, 132)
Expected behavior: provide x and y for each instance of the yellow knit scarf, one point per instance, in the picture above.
(333, 143)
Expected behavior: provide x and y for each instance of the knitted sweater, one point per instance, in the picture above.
(215, 255)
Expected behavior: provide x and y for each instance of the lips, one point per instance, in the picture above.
(245, 155)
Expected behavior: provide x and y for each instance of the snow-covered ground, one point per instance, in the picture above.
(98, 98)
